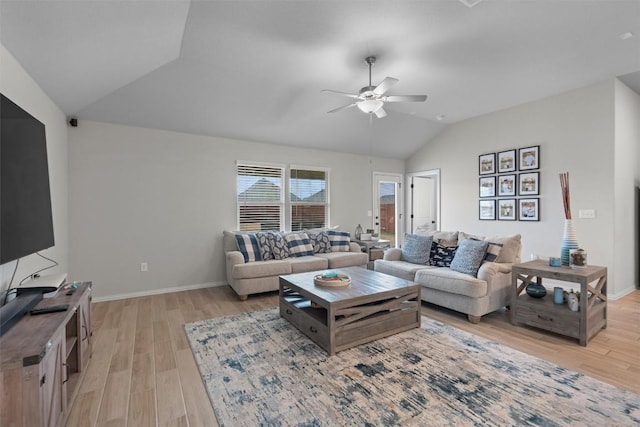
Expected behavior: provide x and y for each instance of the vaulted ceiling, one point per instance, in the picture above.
(254, 70)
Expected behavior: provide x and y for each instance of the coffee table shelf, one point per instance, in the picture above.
(375, 305)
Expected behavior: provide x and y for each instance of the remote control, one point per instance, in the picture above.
(52, 309)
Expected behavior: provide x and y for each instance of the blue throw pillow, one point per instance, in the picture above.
(441, 255)
(278, 246)
(320, 242)
(469, 256)
(248, 246)
(416, 249)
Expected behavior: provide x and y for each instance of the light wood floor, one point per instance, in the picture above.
(142, 372)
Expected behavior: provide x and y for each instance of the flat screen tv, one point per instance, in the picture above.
(26, 221)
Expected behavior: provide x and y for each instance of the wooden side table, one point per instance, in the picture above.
(368, 245)
(543, 313)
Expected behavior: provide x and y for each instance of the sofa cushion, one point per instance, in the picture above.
(344, 259)
(441, 255)
(469, 256)
(261, 269)
(402, 269)
(416, 249)
(308, 263)
(447, 280)
(320, 242)
(248, 246)
(278, 246)
(299, 244)
(339, 240)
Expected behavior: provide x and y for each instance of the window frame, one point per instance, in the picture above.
(281, 203)
(285, 204)
(290, 204)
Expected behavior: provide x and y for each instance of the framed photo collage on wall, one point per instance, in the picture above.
(508, 182)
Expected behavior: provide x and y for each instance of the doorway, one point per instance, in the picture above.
(387, 206)
(423, 195)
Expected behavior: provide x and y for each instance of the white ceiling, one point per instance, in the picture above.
(254, 70)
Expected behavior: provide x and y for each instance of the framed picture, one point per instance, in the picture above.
(529, 184)
(487, 186)
(487, 164)
(506, 185)
(507, 209)
(529, 209)
(507, 161)
(487, 209)
(529, 158)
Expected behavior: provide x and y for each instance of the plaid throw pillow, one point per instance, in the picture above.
(248, 245)
(299, 244)
(339, 240)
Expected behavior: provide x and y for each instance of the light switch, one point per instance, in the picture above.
(587, 213)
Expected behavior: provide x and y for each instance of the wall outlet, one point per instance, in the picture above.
(587, 213)
(144, 266)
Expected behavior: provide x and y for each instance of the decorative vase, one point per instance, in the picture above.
(569, 241)
(536, 290)
(358, 232)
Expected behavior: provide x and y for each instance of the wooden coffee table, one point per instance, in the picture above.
(373, 306)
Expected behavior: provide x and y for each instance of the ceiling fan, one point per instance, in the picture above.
(371, 98)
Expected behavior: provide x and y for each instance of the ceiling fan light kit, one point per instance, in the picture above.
(371, 98)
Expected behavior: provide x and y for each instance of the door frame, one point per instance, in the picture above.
(433, 173)
(375, 198)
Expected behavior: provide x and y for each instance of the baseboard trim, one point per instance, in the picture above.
(158, 291)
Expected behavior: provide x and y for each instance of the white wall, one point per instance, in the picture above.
(575, 132)
(18, 86)
(626, 176)
(142, 195)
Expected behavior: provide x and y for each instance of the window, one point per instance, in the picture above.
(261, 201)
(308, 197)
(260, 197)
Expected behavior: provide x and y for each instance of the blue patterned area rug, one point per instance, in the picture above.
(260, 370)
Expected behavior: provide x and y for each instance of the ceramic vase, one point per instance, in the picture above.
(535, 290)
(569, 241)
(358, 232)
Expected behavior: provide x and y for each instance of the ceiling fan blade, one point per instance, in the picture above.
(385, 85)
(343, 107)
(348, 95)
(380, 113)
(405, 98)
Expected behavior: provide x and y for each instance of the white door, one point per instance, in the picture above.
(423, 197)
(387, 206)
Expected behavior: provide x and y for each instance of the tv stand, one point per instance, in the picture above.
(43, 359)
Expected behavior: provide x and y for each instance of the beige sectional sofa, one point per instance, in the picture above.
(251, 277)
(474, 296)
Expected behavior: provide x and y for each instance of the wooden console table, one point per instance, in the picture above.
(543, 313)
(42, 360)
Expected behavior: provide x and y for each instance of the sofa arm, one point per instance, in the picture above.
(354, 247)
(233, 258)
(392, 254)
(490, 269)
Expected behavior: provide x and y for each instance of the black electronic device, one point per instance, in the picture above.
(35, 290)
(13, 311)
(50, 309)
(26, 220)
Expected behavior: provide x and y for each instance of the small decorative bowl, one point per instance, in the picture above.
(339, 281)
